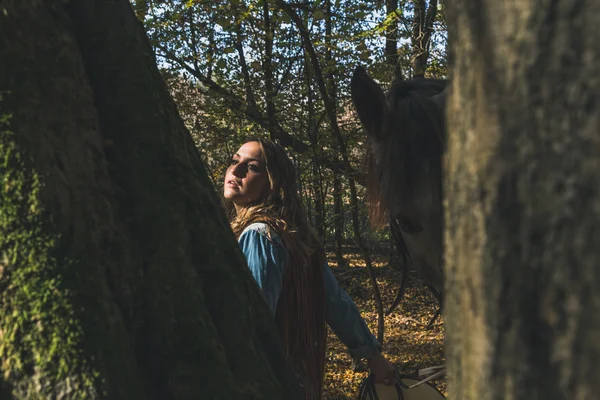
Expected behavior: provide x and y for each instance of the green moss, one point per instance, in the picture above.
(40, 336)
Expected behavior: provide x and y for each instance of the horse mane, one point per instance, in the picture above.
(413, 132)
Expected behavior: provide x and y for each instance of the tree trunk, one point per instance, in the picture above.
(318, 198)
(523, 204)
(268, 71)
(338, 219)
(422, 29)
(364, 249)
(392, 58)
(316, 182)
(119, 278)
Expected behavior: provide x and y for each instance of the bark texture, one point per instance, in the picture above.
(119, 276)
(522, 200)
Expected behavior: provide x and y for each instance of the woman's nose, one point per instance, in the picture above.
(239, 170)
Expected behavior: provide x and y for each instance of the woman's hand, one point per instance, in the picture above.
(383, 370)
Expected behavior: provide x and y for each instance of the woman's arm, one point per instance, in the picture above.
(345, 320)
(266, 259)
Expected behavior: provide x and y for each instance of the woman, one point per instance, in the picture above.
(288, 263)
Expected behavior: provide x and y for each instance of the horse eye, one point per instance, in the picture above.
(409, 225)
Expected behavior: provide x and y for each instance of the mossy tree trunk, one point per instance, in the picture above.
(523, 200)
(119, 277)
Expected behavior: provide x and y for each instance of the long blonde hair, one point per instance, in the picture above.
(300, 312)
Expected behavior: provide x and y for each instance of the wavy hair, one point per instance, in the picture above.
(300, 311)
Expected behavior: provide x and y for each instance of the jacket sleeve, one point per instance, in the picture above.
(345, 320)
(267, 260)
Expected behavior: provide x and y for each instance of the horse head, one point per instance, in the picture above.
(405, 131)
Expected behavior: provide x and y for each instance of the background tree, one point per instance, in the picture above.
(120, 277)
(523, 201)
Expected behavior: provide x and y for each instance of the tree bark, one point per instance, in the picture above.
(119, 276)
(522, 237)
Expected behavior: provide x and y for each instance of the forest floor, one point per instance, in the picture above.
(407, 342)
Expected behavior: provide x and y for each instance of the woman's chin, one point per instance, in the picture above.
(230, 194)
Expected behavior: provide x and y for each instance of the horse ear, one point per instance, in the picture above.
(369, 101)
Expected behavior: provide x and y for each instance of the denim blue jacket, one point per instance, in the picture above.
(267, 259)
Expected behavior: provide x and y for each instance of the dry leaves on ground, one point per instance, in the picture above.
(407, 342)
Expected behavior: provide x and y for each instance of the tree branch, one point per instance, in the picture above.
(247, 82)
(237, 105)
(421, 35)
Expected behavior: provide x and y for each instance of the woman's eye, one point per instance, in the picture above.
(254, 168)
(233, 162)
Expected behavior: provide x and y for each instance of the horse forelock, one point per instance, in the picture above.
(413, 132)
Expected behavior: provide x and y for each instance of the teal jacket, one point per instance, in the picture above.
(267, 260)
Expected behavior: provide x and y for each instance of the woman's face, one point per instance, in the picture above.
(246, 179)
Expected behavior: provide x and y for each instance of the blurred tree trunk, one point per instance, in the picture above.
(119, 276)
(523, 200)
